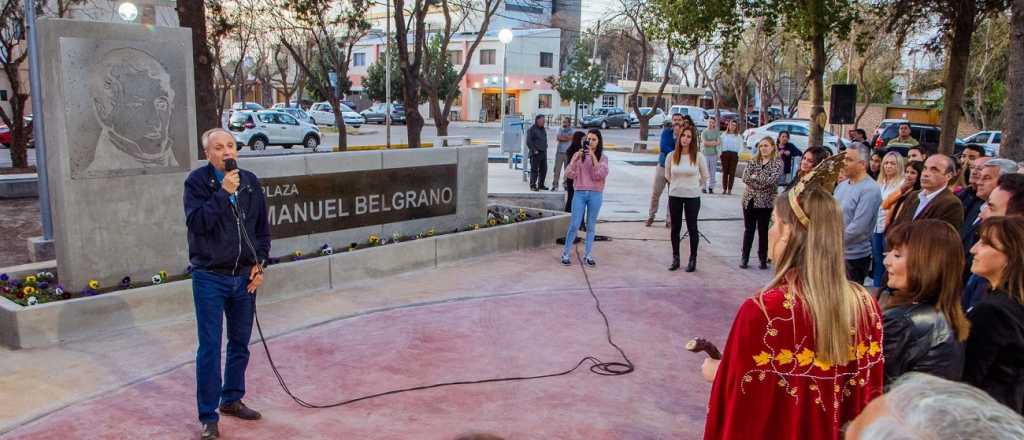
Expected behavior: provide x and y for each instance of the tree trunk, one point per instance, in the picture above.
(956, 74)
(339, 121)
(192, 14)
(817, 72)
(19, 132)
(1012, 146)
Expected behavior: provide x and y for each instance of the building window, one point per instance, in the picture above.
(518, 6)
(455, 57)
(546, 59)
(487, 57)
(608, 101)
(359, 59)
(544, 101)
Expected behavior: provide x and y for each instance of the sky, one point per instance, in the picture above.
(594, 10)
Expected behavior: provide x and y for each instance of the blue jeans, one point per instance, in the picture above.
(589, 201)
(877, 257)
(217, 296)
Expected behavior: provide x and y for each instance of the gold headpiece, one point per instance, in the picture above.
(823, 176)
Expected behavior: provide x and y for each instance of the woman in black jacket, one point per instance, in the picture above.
(576, 145)
(924, 326)
(995, 350)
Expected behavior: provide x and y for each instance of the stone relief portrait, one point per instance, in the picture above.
(124, 111)
(133, 100)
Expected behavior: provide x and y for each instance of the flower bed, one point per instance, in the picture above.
(45, 287)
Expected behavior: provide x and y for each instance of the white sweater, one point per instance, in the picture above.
(685, 179)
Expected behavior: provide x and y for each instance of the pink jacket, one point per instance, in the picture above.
(587, 177)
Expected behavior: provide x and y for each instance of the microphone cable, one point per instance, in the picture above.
(597, 366)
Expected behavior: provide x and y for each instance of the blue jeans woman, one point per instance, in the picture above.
(588, 170)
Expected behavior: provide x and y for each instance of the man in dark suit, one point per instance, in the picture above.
(934, 199)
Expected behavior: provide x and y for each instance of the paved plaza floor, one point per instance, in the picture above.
(513, 314)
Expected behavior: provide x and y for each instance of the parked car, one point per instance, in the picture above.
(323, 114)
(927, 135)
(657, 120)
(6, 136)
(376, 113)
(725, 117)
(754, 116)
(268, 127)
(882, 126)
(699, 115)
(299, 114)
(282, 105)
(799, 130)
(605, 117)
(988, 139)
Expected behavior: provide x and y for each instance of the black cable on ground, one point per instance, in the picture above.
(596, 365)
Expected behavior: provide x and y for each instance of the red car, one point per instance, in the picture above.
(5, 133)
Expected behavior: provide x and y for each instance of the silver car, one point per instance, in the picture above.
(262, 128)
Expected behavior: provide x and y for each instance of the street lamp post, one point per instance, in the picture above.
(505, 36)
(37, 120)
(387, 76)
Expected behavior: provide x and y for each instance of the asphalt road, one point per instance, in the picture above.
(376, 135)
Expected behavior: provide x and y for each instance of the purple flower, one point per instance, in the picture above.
(4, 277)
(43, 285)
(126, 282)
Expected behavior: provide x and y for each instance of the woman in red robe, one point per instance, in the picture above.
(804, 356)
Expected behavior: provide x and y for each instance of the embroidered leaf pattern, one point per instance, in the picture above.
(804, 358)
(784, 357)
(762, 359)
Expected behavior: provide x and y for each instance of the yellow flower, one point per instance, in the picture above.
(875, 348)
(804, 358)
(824, 366)
(163, 274)
(93, 284)
(297, 254)
(762, 359)
(31, 279)
(29, 290)
(476, 226)
(784, 357)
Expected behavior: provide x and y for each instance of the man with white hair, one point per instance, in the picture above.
(984, 182)
(923, 407)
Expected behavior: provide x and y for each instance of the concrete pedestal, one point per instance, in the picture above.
(40, 249)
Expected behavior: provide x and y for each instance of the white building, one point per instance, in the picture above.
(532, 56)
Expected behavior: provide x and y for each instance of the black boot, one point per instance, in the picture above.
(745, 262)
(764, 265)
(675, 263)
(692, 266)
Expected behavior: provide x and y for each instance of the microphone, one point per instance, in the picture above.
(229, 166)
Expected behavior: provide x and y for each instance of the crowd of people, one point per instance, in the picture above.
(928, 303)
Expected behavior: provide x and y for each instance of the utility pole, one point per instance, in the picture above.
(387, 76)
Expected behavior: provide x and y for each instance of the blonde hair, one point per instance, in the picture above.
(901, 164)
(757, 150)
(838, 308)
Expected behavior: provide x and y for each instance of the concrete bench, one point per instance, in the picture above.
(452, 141)
(640, 146)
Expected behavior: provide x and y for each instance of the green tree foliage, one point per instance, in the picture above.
(581, 83)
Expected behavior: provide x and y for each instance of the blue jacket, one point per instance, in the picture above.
(215, 240)
(667, 145)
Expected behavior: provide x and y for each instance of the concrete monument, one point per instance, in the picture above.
(120, 130)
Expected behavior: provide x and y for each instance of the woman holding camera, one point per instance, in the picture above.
(686, 178)
(588, 170)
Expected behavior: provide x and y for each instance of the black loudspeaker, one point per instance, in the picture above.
(843, 106)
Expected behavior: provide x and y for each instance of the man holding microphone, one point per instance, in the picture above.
(228, 244)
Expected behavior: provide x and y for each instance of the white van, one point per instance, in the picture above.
(699, 115)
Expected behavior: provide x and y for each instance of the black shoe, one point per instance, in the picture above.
(711, 191)
(238, 409)
(705, 191)
(554, 188)
(692, 265)
(210, 431)
(590, 261)
(675, 263)
(744, 262)
(543, 188)
(533, 188)
(566, 261)
(763, 265)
